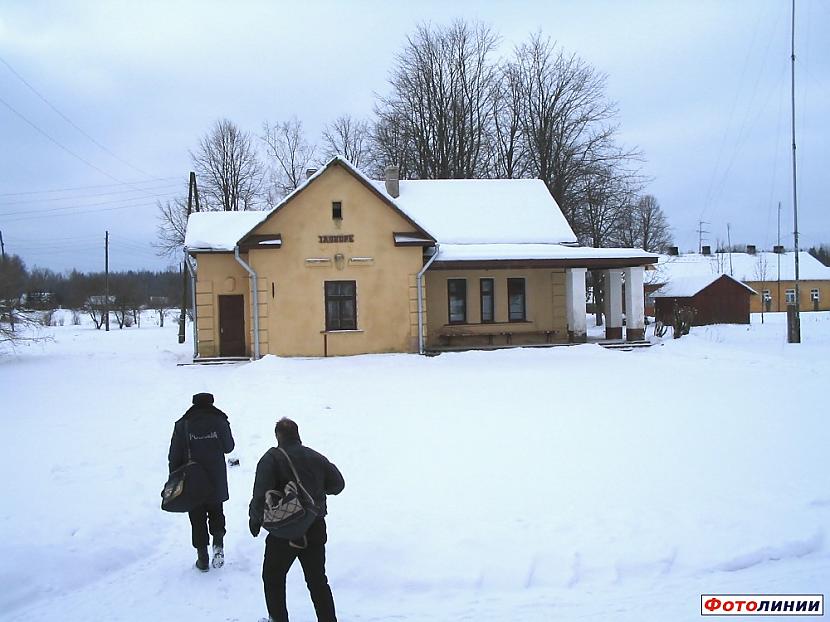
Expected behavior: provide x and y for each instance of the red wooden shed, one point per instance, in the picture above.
(716, 299)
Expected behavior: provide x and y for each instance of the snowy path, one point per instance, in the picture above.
(572, 483)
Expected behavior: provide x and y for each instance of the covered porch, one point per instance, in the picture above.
(500, 296)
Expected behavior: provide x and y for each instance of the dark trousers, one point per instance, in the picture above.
(280, 555)
(207, 517)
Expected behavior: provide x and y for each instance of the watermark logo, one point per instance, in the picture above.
(762, 604)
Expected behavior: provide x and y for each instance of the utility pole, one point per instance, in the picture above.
(778, 258)
(192, 191)
(700, 232)
(794, 316)
(107, 280)
(2, 247)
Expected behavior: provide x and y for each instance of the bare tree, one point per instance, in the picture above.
(509, 144)
(350, 138)
(644, 225)
(13, 277)
(606, 197)
(391, 143)
(289, 156)
(442, 91)
(761, 274)
(171, 226)
(567, 121)
(228, 169)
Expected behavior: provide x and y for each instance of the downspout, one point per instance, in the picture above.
(192, 271)
(418, 280)
(254, 299)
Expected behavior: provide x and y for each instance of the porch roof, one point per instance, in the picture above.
(539, 255)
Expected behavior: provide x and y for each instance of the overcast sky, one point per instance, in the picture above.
(702, 87)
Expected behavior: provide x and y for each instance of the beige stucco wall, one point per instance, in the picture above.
(217, 274)
(291, 298)
(544, 300)
(806, 304)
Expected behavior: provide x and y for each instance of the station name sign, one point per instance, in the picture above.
(336, 239)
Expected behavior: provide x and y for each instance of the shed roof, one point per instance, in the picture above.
(689, 286)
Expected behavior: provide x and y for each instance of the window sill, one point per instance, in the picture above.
(338, 332)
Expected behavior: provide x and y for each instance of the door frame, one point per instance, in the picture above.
(244, 351)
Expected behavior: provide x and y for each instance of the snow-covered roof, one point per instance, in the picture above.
(472, 219)
(483, 252)
(483, 211)
(762, 266)
(689, 286)
(219, 231)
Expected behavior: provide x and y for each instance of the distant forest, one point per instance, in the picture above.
(822, 253)
(41, 288)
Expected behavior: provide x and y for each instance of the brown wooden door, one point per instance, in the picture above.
(231, 325)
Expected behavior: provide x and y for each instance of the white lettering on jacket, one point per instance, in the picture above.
(213, 434)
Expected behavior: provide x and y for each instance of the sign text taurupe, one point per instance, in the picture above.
(336, 239)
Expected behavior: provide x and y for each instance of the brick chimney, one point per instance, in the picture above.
(390, 174)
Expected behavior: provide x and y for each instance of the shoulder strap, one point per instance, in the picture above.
(296, 475)
(187, 440)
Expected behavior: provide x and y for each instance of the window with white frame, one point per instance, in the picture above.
(815, 294)
(767, 294)
(789, 296)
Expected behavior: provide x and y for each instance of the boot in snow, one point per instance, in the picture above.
(218, 555)
(202, 562)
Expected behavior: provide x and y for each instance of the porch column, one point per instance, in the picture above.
(612, 302)
(575, 303)
(634, 304)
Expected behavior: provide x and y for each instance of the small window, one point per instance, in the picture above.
(341, 305)
(767, 295)
(337, 210)
(457, 300)
(815, 295)
(487, 304)
(789, 296)
(516, 310)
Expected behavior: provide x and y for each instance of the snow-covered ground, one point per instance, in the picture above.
(532, 484)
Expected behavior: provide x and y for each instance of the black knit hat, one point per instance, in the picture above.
(203, 399)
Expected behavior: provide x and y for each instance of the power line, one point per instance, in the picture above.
(50, 210)
(70, 121)
(85, 196)
(121, 183)
(89, 211)
(58, 143)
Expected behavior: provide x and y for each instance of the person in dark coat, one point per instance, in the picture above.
(320, 478)
(210, 439)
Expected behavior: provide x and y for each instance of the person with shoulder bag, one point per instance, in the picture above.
(203, 436)
(289, 500)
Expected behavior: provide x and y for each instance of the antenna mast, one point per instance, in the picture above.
(794, 325)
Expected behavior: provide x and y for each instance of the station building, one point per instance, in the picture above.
(350, 265)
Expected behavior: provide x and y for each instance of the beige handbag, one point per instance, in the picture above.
(288, 514)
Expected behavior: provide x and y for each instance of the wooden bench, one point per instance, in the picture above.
(506, 334)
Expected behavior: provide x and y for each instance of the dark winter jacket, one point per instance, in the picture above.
(319, 477)
(210, 439)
